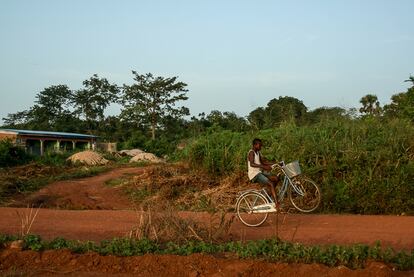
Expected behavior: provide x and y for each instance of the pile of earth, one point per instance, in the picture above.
(88, 158)
(146, 157)
(138, 155)
(130, 152)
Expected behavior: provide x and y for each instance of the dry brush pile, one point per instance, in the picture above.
(185, 188)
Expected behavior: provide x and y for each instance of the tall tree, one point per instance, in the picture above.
(370, 105)
(324, 113)
(16, 120)
(402, 104)
(151, 99)
(91, 101)
(227, 120)
(278, 110)
(51, 105)
(256, 118)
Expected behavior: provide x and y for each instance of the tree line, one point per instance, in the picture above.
(153, 116)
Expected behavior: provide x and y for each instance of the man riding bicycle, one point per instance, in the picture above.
(259, 168)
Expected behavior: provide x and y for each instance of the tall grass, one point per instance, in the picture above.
(363, 166)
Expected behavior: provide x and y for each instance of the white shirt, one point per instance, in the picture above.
(253, 171)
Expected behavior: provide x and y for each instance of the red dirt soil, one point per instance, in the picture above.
(89, 193)
(65, 263)
(394, 231)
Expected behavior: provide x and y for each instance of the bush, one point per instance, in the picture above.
(54, 158)
(11, 155)
(363, 166)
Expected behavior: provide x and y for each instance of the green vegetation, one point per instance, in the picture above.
(151, 116)
(363, 166)
(272, 250)
(11, 155)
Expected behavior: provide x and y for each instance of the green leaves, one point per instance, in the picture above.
(151, 99)
(354, 256)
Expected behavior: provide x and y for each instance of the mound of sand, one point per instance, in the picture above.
(131, 152)
(88, 158)
(146, 157)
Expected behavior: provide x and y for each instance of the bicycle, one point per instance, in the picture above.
(253, 206)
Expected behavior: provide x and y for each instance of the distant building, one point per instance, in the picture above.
(38, 142)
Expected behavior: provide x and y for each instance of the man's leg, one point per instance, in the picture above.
(272, 181)
(264, 178)
(272, 190)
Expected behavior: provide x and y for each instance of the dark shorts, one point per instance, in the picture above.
(262, 178)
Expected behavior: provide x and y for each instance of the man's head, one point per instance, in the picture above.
(257, 144)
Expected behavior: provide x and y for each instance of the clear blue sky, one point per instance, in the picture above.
(234, 55)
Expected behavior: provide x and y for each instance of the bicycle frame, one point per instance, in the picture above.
(280, 196)
(282, 192)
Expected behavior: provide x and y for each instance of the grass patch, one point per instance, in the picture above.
(355, 256)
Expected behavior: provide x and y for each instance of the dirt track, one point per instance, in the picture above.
(79, 194)
(394, 231)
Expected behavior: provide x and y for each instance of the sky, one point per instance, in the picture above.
(234, 55)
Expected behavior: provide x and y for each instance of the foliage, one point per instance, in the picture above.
(361, 165)
(402, 105)
(91, 101)
(370, 105)
(11, 155)
(354, 256)
(325, 114)
(149, 106)
(150, 99)
(277, 111)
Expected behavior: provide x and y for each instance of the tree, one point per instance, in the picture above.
(151, 99)
(402, 104)
(370, 105)
(227, 120)
(91, 101)
(16, 120)
(278, 110)
(256, 118)
(324, 113)
(51, 106)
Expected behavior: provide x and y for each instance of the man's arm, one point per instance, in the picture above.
(267, 164)
(264, 161)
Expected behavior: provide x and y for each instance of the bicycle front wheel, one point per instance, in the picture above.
(246, 209)
(304, 194)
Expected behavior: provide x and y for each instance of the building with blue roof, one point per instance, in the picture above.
(38, 142)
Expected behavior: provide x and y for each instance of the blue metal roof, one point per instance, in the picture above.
(49, 134)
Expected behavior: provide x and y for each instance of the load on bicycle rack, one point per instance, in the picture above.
(253, 206)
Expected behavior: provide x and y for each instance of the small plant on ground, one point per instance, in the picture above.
(27, 218)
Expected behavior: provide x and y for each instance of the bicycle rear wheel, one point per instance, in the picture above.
(245, 209)
(304, 194)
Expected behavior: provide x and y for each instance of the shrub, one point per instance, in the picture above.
(11, 155)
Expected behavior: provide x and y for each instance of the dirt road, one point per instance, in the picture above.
(394, 231)
(79, 194)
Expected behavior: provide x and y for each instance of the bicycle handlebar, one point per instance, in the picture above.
(279, 164)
